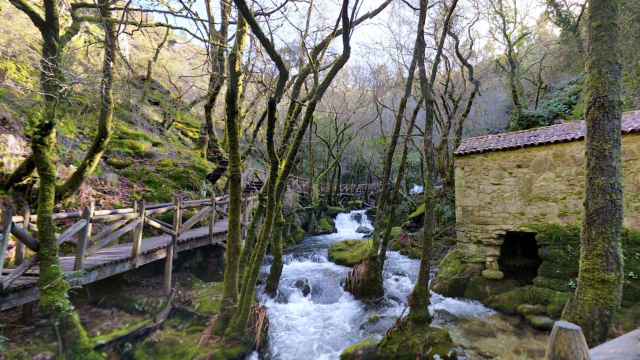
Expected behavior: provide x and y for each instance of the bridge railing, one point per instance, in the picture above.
(94, 230)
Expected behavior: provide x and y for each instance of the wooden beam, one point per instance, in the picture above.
(199, 216)
(6, 234)
(171, 248)
(19, 271)
(212, 218)
(567, 342)
(107, 230)
(136, 247)
(23, 236)
(114, 236)
(85, 237)
(156, 225)
(74, 229)
(20, 247)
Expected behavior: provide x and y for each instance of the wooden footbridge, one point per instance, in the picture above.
(111, 241)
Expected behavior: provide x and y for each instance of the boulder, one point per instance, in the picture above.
(303, 285)
(362, 229)
(541, 322)
(349, 252)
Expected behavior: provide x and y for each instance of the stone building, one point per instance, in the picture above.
(507, 182)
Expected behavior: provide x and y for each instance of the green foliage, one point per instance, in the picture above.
(350, 252)
(563, 104)
(20, 73)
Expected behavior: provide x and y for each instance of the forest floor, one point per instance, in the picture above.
(114, 307)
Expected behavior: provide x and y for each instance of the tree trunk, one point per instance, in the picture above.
(234, 232)
(419, 300)
(599, 290)
(277, 251)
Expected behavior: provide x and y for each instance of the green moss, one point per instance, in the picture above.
(118, 163)
(416, 341)
(326, 226)
(173, 342)
(560, 254)
(355, 204)
(334, 210)
(365, 349)
(350, 252)
(417, 213)
(207, 297)
(106, 338)
(509, 301)
(453, 275)
(396, 231)
(480, 288)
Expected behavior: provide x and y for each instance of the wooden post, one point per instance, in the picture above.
(212, 219)
(20, 248)
(567, 342)
(136, 247)
(85, 236)
(6, 234)
(136, 210)
(171, 248)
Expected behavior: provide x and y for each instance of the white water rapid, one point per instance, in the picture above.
(314, 318)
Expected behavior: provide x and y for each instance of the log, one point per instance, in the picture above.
(146, 329)
(567, 342)
(24, 237)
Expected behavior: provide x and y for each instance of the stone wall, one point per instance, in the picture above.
(505, 191)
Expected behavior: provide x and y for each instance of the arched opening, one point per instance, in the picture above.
(519, 257)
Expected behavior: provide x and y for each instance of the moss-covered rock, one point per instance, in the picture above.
(454, 274)
(355, 205)
(416, 341)
(540, 322)
(349, 252)
(480, 288)
(508, 302)
(364, 350)
(332, 211)
(326, 225)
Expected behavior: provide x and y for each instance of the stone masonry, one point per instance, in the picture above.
(507, 182)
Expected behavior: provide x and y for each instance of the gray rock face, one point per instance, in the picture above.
(364, 230)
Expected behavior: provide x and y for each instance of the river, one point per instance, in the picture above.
(314, 318)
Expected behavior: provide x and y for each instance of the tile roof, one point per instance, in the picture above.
(566, 132)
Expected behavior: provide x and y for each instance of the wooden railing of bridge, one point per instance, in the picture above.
(100, 248)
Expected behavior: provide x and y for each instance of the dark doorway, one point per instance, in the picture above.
(519, 258)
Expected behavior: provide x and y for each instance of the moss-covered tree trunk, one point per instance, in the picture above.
(277, 251)
(234, 232)
(420, 299)
(54, 298)
(212, 149)
(599, 291)
(365, 280)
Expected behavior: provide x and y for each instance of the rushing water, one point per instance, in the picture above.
(314, 318)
